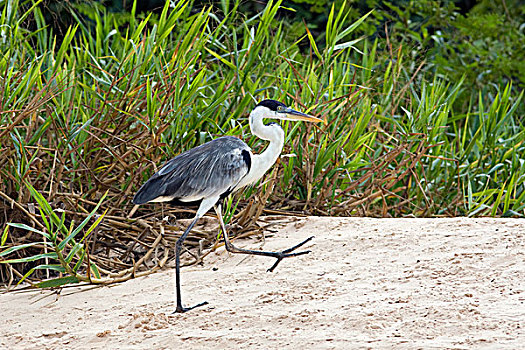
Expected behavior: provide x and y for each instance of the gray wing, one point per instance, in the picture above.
(212, 169)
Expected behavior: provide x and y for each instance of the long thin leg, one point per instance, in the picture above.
(278, 255)
(178, 247)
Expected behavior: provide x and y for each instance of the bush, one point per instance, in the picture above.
(93, 115)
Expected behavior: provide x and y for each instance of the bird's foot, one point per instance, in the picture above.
(181, 309)
(287, 253)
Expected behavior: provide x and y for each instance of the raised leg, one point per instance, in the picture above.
(178, 247)
(278, 255)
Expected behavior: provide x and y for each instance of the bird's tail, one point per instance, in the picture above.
(149, 191)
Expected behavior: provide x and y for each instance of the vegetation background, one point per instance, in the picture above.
(424, 103)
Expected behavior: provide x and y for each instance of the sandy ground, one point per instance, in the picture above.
(368, 283)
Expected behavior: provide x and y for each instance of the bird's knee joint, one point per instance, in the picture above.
(230, 247)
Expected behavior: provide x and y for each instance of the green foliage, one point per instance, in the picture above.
(486, 48)
(180, 78)
(67, 251)
(87, 118)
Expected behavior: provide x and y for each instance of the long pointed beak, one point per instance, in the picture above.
(292, 114)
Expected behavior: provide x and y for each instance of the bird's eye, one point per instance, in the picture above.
(280, 108)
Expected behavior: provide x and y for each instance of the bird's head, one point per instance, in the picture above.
(278, 110)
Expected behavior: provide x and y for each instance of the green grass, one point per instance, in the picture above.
(93, 116)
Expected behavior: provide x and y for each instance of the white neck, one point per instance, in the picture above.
(261, 163)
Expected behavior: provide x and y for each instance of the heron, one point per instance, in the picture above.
(207, 174)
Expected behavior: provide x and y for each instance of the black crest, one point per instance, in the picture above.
(271, 104)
